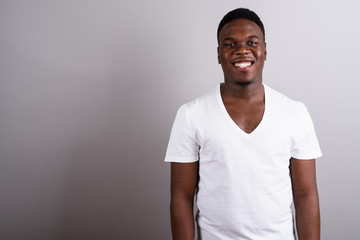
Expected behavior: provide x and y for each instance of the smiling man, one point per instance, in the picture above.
(246, 151)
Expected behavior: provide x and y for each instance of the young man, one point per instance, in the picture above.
(246, 150)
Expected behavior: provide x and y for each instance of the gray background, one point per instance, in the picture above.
(89, 90)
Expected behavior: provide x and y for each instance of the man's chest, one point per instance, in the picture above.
(246, 117)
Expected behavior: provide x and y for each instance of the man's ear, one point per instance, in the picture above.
(218, 55)
(265, 52)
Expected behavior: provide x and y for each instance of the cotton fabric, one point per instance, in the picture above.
(244, 189)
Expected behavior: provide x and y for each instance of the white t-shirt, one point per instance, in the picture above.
(244, 189)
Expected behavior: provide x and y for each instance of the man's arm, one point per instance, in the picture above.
(306, 200)
(184, 178)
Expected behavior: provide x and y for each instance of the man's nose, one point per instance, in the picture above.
(241, 49)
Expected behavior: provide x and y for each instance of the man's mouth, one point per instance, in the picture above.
(243, 65)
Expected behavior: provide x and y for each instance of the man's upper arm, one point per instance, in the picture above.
(303, 177)
(182, 147)
(184, 178)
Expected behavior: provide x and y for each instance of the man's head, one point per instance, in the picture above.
(241, 13)
(242, 47)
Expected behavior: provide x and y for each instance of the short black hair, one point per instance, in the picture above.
(240, 13)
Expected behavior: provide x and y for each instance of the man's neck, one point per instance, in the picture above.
(243, 92)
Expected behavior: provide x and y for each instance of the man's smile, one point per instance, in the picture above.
(243, 65)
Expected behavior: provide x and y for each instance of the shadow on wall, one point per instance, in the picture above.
(83, 154)
(116, 182)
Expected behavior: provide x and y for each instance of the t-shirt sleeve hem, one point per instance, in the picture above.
(307, 156)
(181, 160)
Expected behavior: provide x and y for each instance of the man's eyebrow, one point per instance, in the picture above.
(228, 39)
(233, 39)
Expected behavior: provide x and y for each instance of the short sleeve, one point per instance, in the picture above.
(305, 143)
(182, 145)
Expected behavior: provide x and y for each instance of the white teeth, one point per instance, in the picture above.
(242, 64)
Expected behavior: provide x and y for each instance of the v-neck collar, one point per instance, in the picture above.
(231, 121)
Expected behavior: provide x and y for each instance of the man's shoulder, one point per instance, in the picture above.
(201, 102)
(285, 105)
(282, 99)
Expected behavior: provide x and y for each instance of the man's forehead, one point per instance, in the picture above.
(241, 26)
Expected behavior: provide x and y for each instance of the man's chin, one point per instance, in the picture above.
(243, 83)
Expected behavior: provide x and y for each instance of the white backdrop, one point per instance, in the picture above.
(89, 90)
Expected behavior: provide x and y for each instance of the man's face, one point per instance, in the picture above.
(241, 52)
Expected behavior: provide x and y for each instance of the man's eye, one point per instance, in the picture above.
(229, 44)
(252, 43)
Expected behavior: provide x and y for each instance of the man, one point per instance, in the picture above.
(247, 151)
